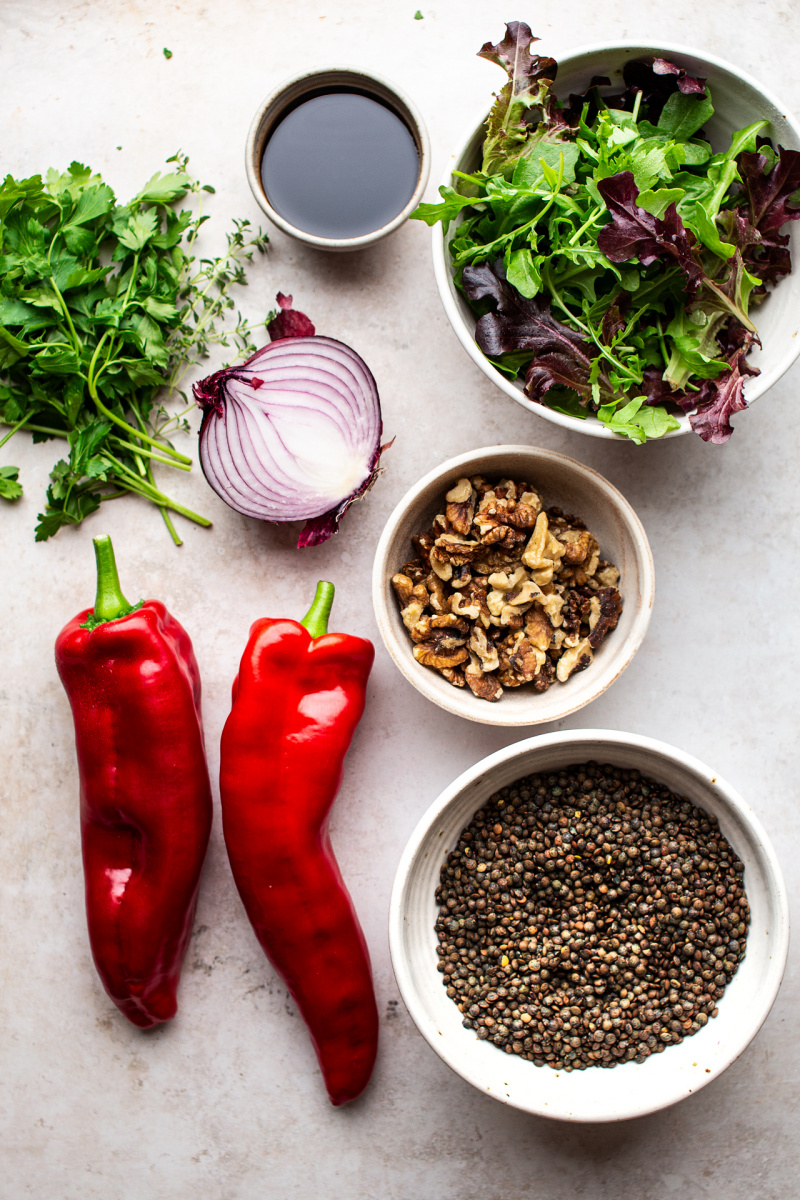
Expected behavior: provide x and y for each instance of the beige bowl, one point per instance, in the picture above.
(289, 93)
(629, 1089)
(570, 486)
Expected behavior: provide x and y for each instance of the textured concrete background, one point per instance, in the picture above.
(227, 1103)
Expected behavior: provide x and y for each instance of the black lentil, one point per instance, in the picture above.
(589, 917)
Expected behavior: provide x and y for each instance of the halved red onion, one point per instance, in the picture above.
(293, 434)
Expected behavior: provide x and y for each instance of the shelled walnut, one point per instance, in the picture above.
(503, 592)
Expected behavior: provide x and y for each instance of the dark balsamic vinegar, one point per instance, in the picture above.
(340, 164)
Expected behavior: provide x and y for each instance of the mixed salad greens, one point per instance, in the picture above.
(611, 254)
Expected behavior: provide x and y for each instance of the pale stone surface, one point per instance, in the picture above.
(227, 1103)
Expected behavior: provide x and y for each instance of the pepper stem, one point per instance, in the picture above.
(316, 619)
(110, 602)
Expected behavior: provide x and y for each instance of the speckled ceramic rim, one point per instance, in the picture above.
(786, 130)
(287, 93)
(631, 1089)
(522, 706)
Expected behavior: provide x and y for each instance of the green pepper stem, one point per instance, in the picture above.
(316, 619)
(110, 602)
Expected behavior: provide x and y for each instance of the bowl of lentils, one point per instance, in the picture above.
(589, 925)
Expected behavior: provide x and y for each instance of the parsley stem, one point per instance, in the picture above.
(12, 431)
(140, 450)
(91, 382)
(135, 484)
(173, 533)
(62, 433)
(111, 416)
(77, 344)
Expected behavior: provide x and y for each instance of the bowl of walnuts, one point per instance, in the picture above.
(512, 585)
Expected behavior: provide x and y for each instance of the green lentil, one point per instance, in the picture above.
(589, 917)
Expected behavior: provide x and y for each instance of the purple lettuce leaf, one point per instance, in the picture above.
(658, 391)
(514, 56)
(530, 78)
(686, 83)
(615, 317)
(725, 396)
(288, 323)
(657, 80)
(573, 108)
(562, 357)
(771, 195)
(634, 233)
(765, 256)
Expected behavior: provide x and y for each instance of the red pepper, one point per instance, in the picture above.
(296, 702)
(134, 687)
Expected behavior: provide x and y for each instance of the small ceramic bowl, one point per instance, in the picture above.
(738, 100)
(595, 1094)
(286, 96)
(575, 489)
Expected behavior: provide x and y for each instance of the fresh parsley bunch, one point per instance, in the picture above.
(611, 255)
(102, 311)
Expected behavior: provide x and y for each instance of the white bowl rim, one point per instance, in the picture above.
(611, 738)
(594, 428)
(494, 714)
(254, 176)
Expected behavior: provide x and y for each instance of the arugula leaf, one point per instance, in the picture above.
(558, 156)
(523, 272)
(684, 115)
(657, 202)
(452, 204)
(637, 421)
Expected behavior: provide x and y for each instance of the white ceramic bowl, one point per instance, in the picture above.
(738, 100)
(570, 486)
(275, 106)
(596, 1094)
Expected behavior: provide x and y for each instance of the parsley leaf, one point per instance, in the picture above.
(10, 489)
(103, 308)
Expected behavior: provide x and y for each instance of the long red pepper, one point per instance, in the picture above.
(133, 683)
(297, 700)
